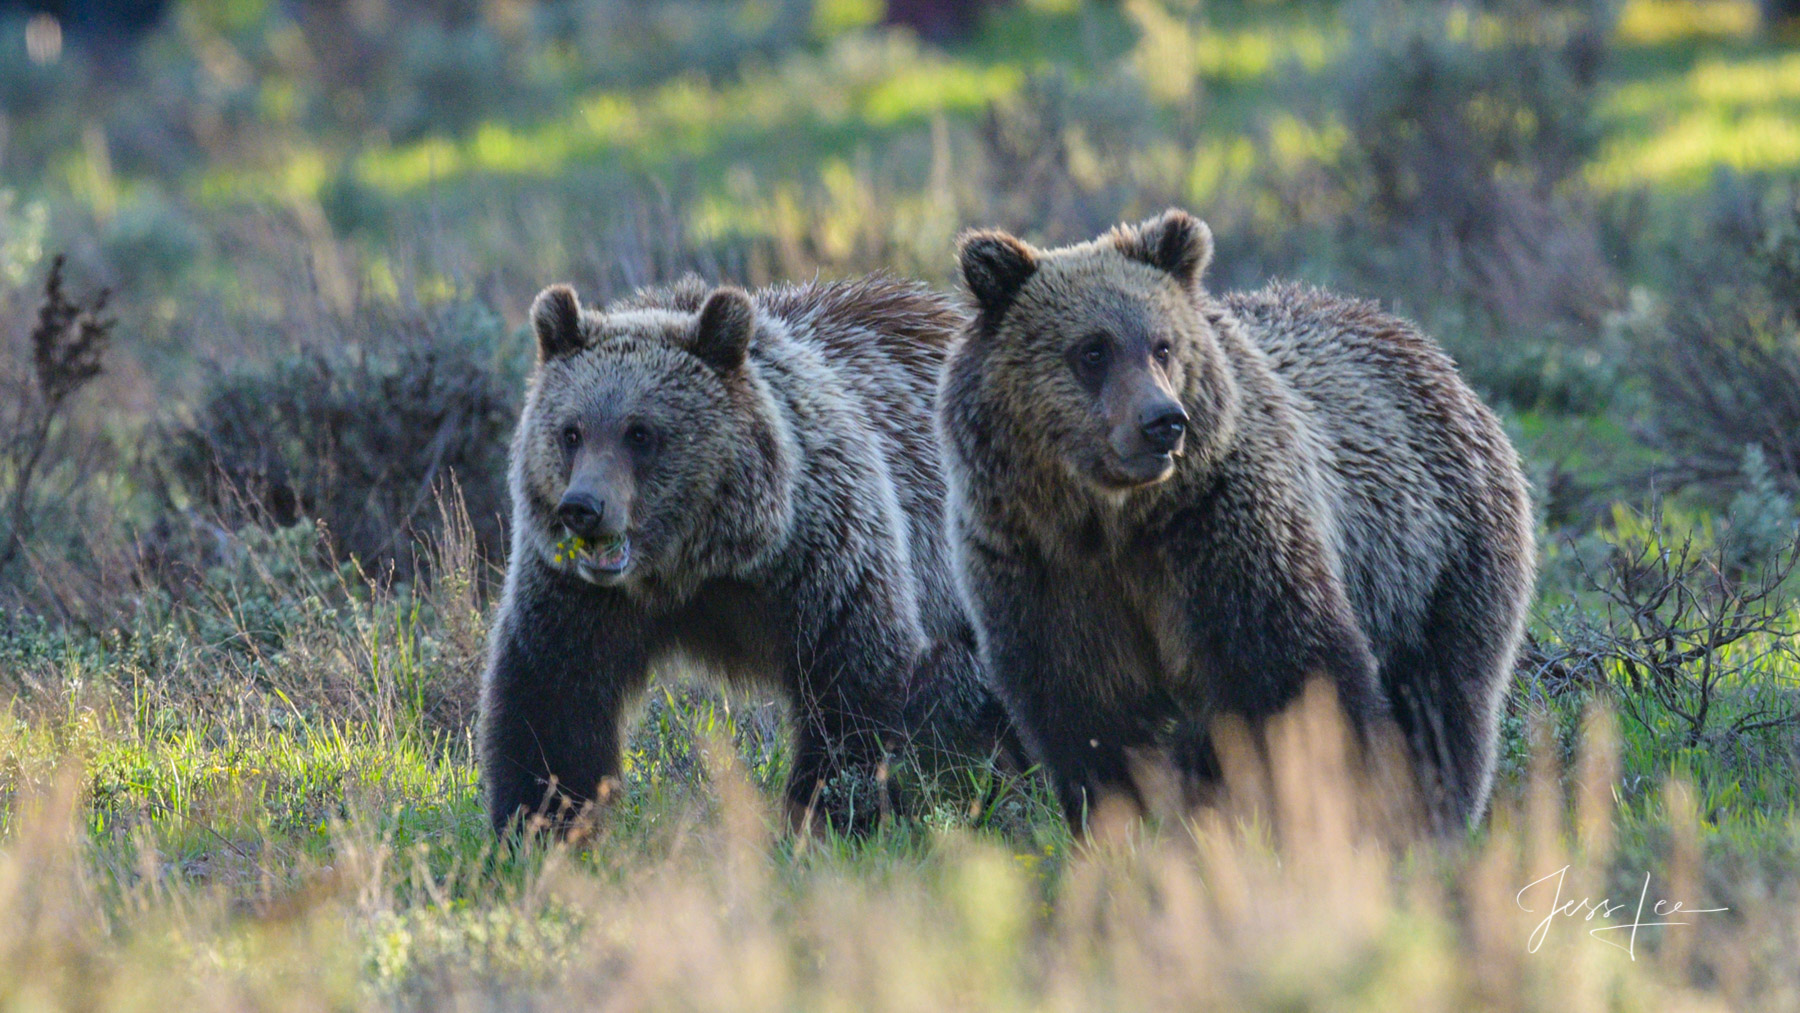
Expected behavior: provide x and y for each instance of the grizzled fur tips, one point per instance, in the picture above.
(1169, 507)
(744, 483)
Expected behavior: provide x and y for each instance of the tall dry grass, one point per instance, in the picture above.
(1300, 890)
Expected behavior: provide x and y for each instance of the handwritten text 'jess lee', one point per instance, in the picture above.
(1587, 909)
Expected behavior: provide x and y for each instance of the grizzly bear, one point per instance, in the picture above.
(1168, 507)
(746, 483)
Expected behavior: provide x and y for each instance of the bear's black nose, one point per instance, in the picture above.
(580, 512)
(1163, 426)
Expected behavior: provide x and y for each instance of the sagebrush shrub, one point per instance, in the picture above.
(1467, 130)
(1035, 143)
(360, 434)
(1693, 635)
(1723, 367)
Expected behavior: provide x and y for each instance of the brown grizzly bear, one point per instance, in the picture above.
(1168, 506)
(747, 483)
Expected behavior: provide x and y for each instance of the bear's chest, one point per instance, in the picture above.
(1131, 601)
(731, 628)
(1160, 609)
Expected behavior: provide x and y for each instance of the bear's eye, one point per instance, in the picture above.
(1089, 359)
(639, 437)
(1162, 352)
(571, 437)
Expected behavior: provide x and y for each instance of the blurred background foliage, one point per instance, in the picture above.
(279, 503)
(1558, 188)
(318, 224)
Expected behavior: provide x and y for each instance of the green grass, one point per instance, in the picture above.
(1695, 96)
(181, 827)
(283, 867)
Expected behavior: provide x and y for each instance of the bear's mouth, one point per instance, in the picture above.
(1137, 471)
(596, 558)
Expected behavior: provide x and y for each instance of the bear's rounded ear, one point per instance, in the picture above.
(1174, 241)
(727, 320)
(556, 317)
(995, 266)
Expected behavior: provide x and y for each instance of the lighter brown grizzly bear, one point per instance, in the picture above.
(1169, 506)
(754, 484)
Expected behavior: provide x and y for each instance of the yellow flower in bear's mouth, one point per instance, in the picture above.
(608, 554)
(570, 548)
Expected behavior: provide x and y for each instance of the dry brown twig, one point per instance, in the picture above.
(67, 345)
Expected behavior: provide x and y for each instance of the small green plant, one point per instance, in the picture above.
(1695, 650)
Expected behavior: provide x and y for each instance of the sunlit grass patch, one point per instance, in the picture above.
(1675, 130)
(1726, 85)
(1687, 151)
(1747, 83)
(202, 787)
(832, 17)
(1658, 22)
(1172, 51)
(949, 87)
(868, 85)
(1294, 142)
(412, 166)
(1251, 54)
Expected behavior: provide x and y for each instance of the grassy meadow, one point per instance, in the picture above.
(252, 499)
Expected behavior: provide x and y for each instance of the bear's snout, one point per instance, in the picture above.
(1145, 432)
(1162, 426)
(582, 513)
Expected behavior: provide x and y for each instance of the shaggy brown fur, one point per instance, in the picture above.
(758, 484)
(1329, 498)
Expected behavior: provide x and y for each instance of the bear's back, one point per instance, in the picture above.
(886, 341)
(1416, 466)
(885, 335)
(865, 353)
(874, 327)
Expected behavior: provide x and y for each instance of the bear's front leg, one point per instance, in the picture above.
(1050, 650)
(847, 687)
(1089, 760)
(1268, 614)
(564, 660)
(952, 716)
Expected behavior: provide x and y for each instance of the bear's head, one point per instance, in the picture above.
(1104, 353)
(648, 456)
